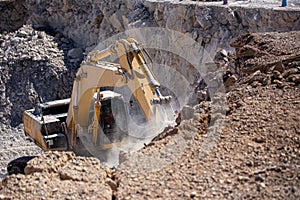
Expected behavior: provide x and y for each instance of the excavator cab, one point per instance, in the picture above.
(113, 120)
(108, 124)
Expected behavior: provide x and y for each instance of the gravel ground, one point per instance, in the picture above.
(13, 145)
(256, 156)
(256, 153)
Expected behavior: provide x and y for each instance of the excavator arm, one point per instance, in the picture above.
(55, 125)
(133, 71)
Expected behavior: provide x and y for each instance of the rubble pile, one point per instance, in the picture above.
(60, 175)
(33, 64)
(268, 58)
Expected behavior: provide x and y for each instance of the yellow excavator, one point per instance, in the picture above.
(96, 115)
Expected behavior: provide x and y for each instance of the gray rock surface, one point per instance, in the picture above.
(206, 22)
(13, 15)
(75, 53)
(32, 65)
(187, 112)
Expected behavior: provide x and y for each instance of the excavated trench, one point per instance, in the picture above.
(170, 30)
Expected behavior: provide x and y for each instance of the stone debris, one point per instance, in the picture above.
(48, 162)
(268, 52)
(75, 53)
(187, 112)
(84, 169)
(60, 175)
(258, 139)
(12, 18)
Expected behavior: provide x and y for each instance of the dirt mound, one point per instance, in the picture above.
(60, 175)
(256, 155)
(267, 52)
(257, 151)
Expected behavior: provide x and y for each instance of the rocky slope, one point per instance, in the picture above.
(28, 58)
(254, 155)
(257, 151)
(90, 22)
(87, 24)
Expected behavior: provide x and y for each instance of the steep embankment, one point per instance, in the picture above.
(90, 22)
